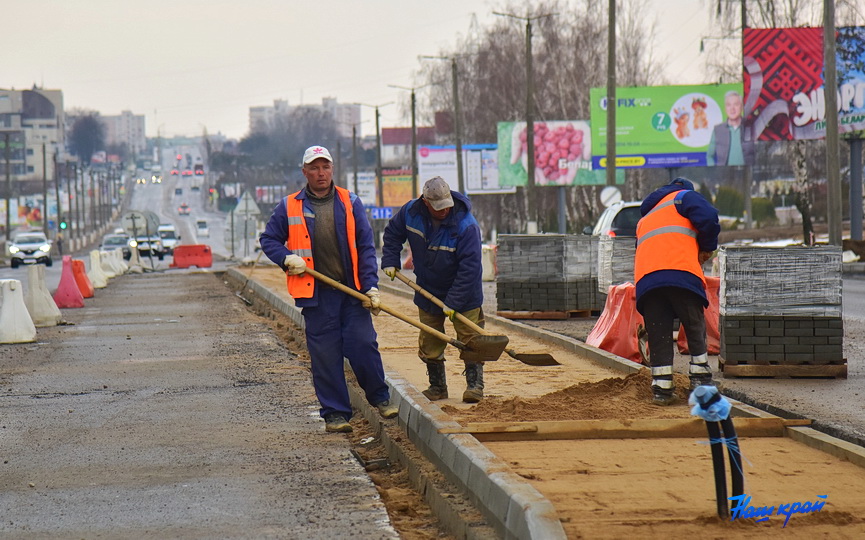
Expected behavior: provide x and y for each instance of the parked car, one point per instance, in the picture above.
(201, 227)
(113, 242)
(168, 234)
(183, 210)
(187, 172)
(619, 219)
(30, 248)
(148, 245)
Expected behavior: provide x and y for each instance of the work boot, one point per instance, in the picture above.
(663, 396)
(386, 410)
(438, 387)
(475, 382)
(336, 423)
(699, 372)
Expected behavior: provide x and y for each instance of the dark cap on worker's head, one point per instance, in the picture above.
(684, 182)
(437, 193)
(314, 152)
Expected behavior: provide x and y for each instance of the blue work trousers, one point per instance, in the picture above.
(341, 327)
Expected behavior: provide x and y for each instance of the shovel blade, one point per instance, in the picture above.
(484, 348)
(534, 359)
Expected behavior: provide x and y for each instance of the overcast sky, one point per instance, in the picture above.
(194, 64)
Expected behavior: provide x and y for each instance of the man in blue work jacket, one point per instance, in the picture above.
(445, 242)
(325, 227)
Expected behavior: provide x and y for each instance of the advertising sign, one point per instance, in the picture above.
(366, 186)
(671, 126)
(396, 187)
(563, 154)
(480, 168)
(783, 76)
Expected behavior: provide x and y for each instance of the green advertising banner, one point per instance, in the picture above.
(671, 126)
(562, 154)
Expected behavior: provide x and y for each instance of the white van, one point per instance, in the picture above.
(169, 237)
(201, 227)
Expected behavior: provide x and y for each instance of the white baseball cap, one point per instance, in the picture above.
(437, 193)
(314, 152)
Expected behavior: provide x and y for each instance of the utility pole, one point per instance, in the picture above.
(530, 115)
(378, 166)
(414, 167)
(458, 126)
(57, 191)
(833, 173)
(8, 187)
(44, 192)
(354, 153)
(611, 93)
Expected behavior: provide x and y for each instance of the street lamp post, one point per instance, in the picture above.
(530, 114)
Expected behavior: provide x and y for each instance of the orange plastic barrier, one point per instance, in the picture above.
(80, 273)
(198, 255)
(713, 322)
(68, 295)
(616, 328)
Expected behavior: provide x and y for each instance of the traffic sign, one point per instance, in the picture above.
(246, 206)
(381, 212)
(138, 223)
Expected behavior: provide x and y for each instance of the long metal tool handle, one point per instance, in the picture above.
(435, 300)
(362, 297)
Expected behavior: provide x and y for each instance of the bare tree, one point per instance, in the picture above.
(568, 60)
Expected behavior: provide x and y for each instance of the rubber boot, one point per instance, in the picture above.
(438, 387)
(474, 382)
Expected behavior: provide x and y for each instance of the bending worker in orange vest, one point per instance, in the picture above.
(676, 235)
(325, 227)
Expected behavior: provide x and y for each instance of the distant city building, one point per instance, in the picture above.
(396, 144)
(346, 115)
(32, 119)
(125, 129)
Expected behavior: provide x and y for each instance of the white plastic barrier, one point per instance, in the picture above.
(135, 266)
(121, 263)
(41, 305)
(106, 262)
(16, 326)
(96, 276)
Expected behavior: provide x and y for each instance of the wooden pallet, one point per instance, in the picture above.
(549, 315)
(784, 371)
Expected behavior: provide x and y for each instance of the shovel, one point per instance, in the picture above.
(532, 359)
(482, 348)
(243, 287)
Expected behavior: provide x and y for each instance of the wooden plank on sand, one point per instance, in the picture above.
(643, 428)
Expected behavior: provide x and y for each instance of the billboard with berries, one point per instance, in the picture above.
(669, 126)
(562, 154)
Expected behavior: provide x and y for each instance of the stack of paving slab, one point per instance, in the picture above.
(615, 261)
(780, 310)
(547, 272)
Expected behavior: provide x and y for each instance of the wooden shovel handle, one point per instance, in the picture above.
(426, 294)
(362, 297)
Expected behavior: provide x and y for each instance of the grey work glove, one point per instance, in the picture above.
(390, 272)
(374, 302)
(294, 264)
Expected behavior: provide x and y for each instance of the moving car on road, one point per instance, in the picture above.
(201, 227)
(113, 242)
(168, 234)
(183, 210)
(30, 248)
(148, 245)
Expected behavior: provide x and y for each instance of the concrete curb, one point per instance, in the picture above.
(514, 508)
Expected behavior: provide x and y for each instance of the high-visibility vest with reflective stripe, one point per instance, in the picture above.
(666, 240)
(299, 242)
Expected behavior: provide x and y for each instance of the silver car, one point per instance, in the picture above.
(30, 248)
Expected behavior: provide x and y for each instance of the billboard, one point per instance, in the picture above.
(480, 168)
(672, 126)
(562, 154)
(783, 76)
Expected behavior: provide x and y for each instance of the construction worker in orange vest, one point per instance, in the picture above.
(325, 227)
(676, 235)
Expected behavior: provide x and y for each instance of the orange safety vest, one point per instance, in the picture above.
(299, 242)
(666, 240)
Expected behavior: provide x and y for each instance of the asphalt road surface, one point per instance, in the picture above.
(167, 410)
